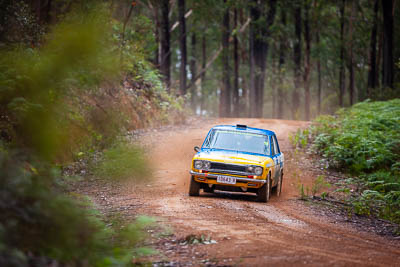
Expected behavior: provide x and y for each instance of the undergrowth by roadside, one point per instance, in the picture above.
(364, 143)
(72, 99)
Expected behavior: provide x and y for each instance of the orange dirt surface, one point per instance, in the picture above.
(282, 232)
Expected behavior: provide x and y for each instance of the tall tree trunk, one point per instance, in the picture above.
(203, 66)
(372, 52)
(252, 86)
(225, 96)
(379, 56)
(182, 46)
(236, 68)
(244, 82)
(127, 18)
(193, 70)
(351, 59)
(297, 61)
(282, 54)
(319, 76)
(260, 33)
(48, 15)
(157, 30)
(388, 61)
(307, 66)
(165, 57)
(342, 70)
(37, 7)
(272, 83)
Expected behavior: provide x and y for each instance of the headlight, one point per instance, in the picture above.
(258, 171)
(198, 164)
(202, 165)
(206, 165)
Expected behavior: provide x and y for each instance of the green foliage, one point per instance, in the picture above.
(364, 140)
(122, 161)
(319, 184)
(303, 195)
(300, 138)
(34, 83)
(52, 98)
(39, 223)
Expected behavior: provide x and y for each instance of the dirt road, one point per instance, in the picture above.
(284, 231)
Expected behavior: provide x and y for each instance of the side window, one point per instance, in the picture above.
(266, 146)
(277, 150)
(272, 146)
(208, 140)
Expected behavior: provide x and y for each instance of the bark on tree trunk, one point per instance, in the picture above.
(372, 52)
(225, 96)
(244, 82)
(203, 66)
(297, 61)
(236, 68)
(37, 4)
(379, 57)
(157, 30)
(259, 53)
(282, 52)
(350, 62)
(127, 18)
(272, 84)
(48, 18)
(388, 62)
(307, 66)
(342, 70)
(252, 92)
(319, 76)
(165, 57)
(193, 70)
(182, 46)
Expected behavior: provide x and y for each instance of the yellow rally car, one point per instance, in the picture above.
(239, 159)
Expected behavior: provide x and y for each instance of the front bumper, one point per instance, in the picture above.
(239, 179)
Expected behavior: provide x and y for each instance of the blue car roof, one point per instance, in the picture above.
(245, 129)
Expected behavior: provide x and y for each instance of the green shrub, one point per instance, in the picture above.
(39, 92)
(39, 223)
(122, 161)
(364, 141)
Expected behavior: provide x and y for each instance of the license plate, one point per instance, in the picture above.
(226, 180)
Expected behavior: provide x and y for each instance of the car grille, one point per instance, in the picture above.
(227, 168)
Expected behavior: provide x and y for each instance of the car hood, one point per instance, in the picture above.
(227, 156)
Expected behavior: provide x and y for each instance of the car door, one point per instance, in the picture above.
(279, 158)
(275, 160)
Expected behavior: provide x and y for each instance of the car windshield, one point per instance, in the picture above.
(238, 141)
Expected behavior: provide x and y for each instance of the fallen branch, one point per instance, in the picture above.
(176, 24)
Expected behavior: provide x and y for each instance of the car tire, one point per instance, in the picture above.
(264, 193)
(278, 189)
(194, 187)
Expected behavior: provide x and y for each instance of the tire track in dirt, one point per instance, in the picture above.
(282, 231)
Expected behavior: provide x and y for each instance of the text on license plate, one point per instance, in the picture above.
(226, 179)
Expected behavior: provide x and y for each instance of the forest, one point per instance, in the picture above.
(277, 59)
(80, 78)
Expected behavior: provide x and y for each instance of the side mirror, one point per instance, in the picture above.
(196, 148)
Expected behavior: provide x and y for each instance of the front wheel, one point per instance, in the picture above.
(264, 193)
(279, 186)
(194, 187)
